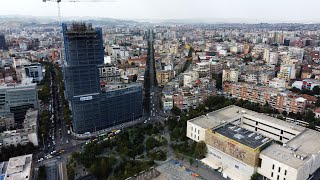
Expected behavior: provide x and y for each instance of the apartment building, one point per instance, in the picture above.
(29, 132)
(280, 100)
(242, 142)
(287, 72)
(109, 73)
(306, 84)
(19, 168)
(35, 71)
(163, 77)
(230, 75)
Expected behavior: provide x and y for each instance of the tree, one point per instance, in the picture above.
(316, 90)
(42, 175)
(296, 90)
(309, 116)
(135, 78)
(201, 150)
(254, 176)
(152, 143)
(176, 111)
(191, 161)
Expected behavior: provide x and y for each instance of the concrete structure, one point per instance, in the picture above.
(163, 77)
(109, 73)
(273, 58)
(230, 75)
(189, 78)
(240, 143)
(306, 84)
(20, 168)
(287, 72)
(7, 122)
(278, 99)
(29, 132)
(203, 69)
(277, 83)
(34, 71)
(216, 67)
(17, 98)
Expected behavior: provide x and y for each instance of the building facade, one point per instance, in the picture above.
(3, 45)
(34, 71)
(241, 142)
(282, 101)
(17, 98)
(94, 107)
(230, 75)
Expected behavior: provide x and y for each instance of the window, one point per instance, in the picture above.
(278, 177)
(280, 138)
(256, 129)
(271, 174)
(285, 172)
(279, 169)
(191, 128)
(272, 166)
(191, 134)
(236, 166)
(198, 131)
(198, 138)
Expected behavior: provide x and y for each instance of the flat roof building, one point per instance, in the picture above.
(242, 142)
(20, 168)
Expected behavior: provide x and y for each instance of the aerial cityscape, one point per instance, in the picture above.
(159, 90)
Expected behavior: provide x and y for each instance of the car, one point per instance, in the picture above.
(41, 159)
(59, 157)
(67, 141)
(145, 121)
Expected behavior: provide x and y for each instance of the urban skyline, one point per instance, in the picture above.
(206, 11)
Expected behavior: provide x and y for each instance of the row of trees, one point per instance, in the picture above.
(66, 109)
(12, 151)
(44, 94)
(44, 123)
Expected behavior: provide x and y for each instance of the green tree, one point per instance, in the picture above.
(200, 150)
(135, 77)
(42, 175)
(191, 161)
(316, 90)
(152, 143)
(176, 111)
(255, 176)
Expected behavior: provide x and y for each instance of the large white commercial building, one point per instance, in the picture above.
(241, 142)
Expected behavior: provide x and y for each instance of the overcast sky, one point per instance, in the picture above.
(209, 10)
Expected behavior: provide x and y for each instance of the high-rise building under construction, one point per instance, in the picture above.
(94, 107)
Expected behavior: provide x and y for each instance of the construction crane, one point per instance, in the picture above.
(59, 13)
(74, 1)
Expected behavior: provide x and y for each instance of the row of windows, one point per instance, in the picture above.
(281, 131)
(279, 170)
(256, 129)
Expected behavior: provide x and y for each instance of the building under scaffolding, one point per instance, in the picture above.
(94, 108)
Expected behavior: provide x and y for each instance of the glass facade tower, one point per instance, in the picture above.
(94, 108)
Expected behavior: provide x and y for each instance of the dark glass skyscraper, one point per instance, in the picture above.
(94, 107)
(3, 45)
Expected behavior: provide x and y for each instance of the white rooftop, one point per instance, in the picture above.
(19, 168)
(297, 151)
(230, 113)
